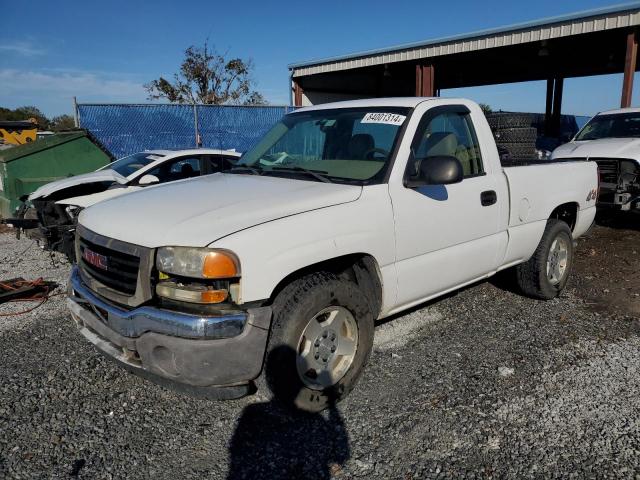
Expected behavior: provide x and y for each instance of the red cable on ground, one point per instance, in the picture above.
(42, 296)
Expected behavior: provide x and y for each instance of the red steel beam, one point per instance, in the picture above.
(297, 94)
(428, 86)
(425, 84)
(629, 69)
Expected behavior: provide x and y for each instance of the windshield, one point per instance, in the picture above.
(351, 145)
(125, 166)
(620, 125)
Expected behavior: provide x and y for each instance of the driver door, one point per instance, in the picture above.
(446, 235)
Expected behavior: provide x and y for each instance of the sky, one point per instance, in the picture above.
(105, 51)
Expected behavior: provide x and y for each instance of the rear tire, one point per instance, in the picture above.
(303, 312)
(516, 135)
(520, 151)
(500, 120)
(546, 273)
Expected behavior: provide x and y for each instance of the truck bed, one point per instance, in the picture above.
(535, 190)
(507, 162)
(563, 181)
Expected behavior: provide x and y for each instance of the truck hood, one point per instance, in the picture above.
(107, 175)
(199, 211)
(602, 148)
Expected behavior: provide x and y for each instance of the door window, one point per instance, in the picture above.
(449, 134)
(177, 169)
(218, 163)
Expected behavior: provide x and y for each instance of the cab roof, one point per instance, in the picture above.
(410, 102)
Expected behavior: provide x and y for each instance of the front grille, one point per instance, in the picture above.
(609, 170)
(121, 272)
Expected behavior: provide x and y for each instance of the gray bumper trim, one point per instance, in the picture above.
(133, 323)
(226, 392)
(221, 367)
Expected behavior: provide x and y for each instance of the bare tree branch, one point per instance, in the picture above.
(205, 76)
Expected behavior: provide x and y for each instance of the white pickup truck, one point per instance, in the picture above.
(612, 140)
(274, 272)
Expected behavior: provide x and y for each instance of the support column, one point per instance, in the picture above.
(557, 106)
(425, 81)
(297, 94)
(629, 69)
(548, 108)
(418, 80)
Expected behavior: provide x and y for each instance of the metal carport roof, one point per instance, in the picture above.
(591, 42)
(587, 21)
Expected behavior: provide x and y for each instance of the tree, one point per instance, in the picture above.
(25, 113)
(62, 122)
(256, 98)
(486, 108)
(34, 112)
(205, 76)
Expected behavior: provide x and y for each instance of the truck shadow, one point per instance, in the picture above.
(503, 280)
(276, 440)
(506, 280)
(619, 220)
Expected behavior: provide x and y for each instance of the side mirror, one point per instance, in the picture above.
(440, 170)
(148, 180)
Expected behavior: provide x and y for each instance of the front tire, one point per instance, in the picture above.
(321, 338)
(546, 273)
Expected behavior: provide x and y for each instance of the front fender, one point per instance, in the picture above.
(272, 251)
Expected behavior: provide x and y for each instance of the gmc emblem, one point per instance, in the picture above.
(95, 259)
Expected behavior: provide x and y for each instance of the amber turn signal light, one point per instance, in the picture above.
(219, 265)
(185, 293)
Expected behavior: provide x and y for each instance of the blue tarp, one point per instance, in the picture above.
(127, 129)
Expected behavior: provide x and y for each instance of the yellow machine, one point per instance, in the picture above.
(18, 133)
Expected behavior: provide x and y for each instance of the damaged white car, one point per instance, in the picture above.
(612, 140)
(50, 213)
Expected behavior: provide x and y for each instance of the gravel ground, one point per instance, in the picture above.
(481, 384)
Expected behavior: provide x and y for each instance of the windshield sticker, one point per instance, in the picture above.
(386, 118)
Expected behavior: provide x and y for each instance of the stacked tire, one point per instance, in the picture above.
(515, 133)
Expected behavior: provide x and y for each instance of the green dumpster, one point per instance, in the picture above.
(25, 168)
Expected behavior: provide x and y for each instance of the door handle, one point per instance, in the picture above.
(488, 198)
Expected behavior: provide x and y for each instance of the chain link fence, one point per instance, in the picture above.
(124, 129)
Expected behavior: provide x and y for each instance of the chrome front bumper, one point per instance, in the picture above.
(193, 353)
(133, 323)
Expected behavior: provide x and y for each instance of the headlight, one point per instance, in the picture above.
(198, 262)
(191, 293)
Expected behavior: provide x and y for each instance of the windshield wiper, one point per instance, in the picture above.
(317, 174)
(247, 168)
